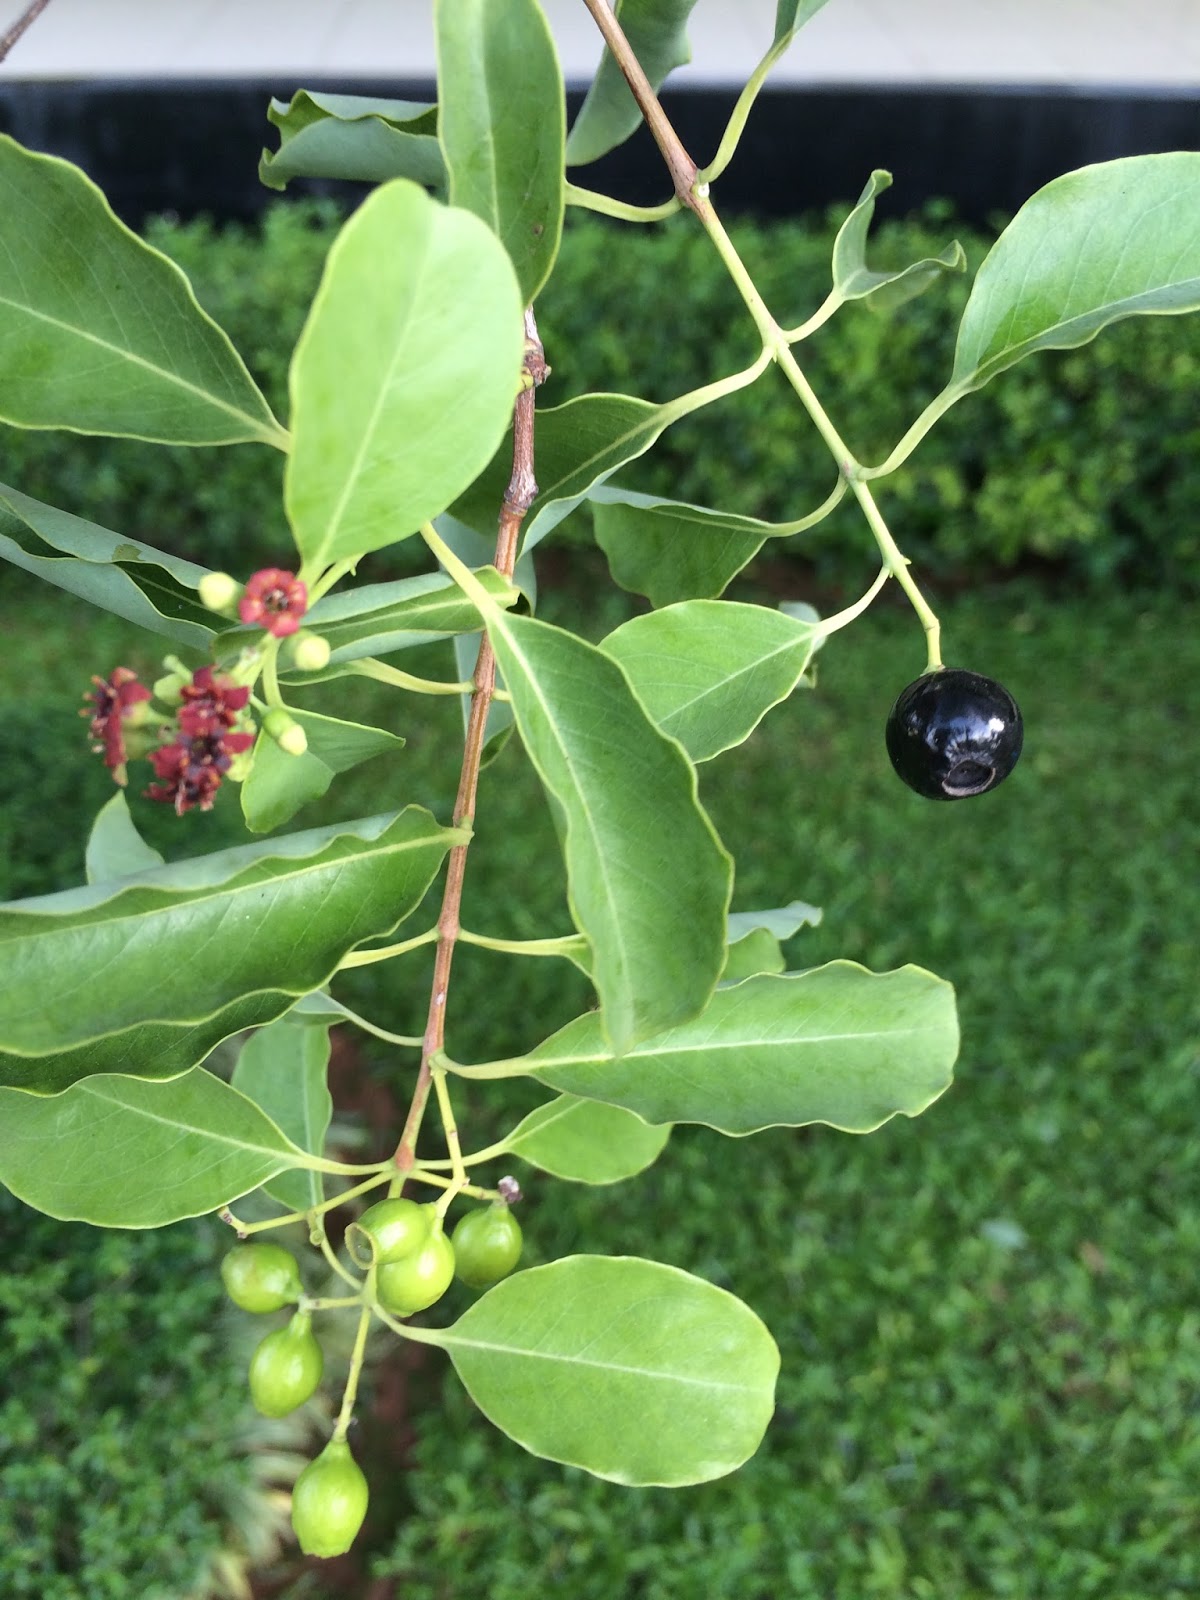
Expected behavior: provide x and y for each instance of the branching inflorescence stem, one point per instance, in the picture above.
(692, 192)
(518, 498)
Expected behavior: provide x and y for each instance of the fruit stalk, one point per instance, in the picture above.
(350, 1393)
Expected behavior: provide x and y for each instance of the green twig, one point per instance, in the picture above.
(590, 200)
(406, 1041)
(692, 189)
(740, 114)
(841, 619)
(356, 1365)
(566, 945)
(270, 674)
(313, 1211)
(369, 667)
(328, 1252)
(458, 1172)
(367, 958)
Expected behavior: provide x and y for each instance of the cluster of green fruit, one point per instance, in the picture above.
(414, 1263)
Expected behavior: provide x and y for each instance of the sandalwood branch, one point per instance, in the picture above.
(25, 20)
(522, 489)
(694, 194)
(680, 165)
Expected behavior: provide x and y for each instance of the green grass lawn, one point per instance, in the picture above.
(989, 1317)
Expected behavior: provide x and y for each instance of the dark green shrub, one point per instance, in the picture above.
(45, 816)
(121, 1403)
(989, 1313)
(1081, 458)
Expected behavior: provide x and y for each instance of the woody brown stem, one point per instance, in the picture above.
(519, 496)
(680, 165)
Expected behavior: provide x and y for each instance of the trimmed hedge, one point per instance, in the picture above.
(1087, 458)
(122, 1408)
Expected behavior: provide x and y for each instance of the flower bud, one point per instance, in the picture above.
(306, 652)
(169, 689)
(286, 732)
(219, 592)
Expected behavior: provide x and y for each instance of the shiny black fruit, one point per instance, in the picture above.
(952, 734)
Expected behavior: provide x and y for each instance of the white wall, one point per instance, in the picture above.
(1111, 42)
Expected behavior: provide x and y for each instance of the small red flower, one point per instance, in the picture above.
(275, 599)
(209, 704)
(111, 702)
(192, 768)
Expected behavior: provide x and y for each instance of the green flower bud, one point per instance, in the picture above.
(306, 652)
(286, 731)
(169, 688)
(219, 592)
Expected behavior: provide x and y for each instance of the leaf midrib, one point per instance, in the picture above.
(258, 426)
(450, 1341)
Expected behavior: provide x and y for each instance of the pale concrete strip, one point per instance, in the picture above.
(1147, 43)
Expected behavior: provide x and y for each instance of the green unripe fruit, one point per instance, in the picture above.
(261, 1277)
(286, 1368)
(419, 1280)
(219, 592)
(398, 1227)
(487, 1246)
(329, 1502)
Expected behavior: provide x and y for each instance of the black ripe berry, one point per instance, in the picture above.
(952, 734)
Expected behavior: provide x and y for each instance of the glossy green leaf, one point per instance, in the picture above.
(1117, 240)
(854, 280)
(123, 1153)
(101, 334)
(781, 921)
(378, 619)
(838, 1044)
(755, 952)
(284, 1069)
(496, 60)
(637, 1372)
(586, 1142)
(317, 1006)
(791, 15)
(577, 446)
(708, 671)
(115, 848)
(647, 878)
(352, 136)
(278, 784)
(756, 937)
(146, 1049)
(146, 586)
(671, 551)
(145, 974)
(404, 377)
(657, 30)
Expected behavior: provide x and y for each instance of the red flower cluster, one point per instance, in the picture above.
(112, 701)
(203, 745)
(192, 767)
(210, 703)
(275, 599)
